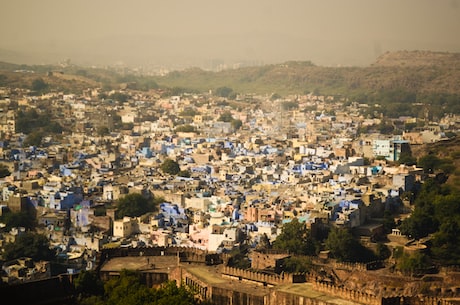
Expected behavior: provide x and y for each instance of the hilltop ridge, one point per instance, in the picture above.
(418, 58)
(416, 72)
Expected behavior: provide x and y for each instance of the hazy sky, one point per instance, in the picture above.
(186, 32)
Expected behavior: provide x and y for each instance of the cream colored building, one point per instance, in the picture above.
(125, 227)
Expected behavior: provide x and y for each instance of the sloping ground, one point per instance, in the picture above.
(447, 149)
(417, 58)
(418, 72)
(383, 282)
(56, 81)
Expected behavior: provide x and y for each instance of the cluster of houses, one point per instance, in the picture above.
(243, 182)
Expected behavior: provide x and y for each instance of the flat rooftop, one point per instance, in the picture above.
(307, 290)
(140, 263)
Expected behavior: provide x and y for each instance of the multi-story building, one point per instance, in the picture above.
(390, 149)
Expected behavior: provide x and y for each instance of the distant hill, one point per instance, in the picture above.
(418, 58)
(66, 79)
(56, 80)
(417, 72)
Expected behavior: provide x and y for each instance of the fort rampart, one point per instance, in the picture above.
(348, 294)
(61, 288)
(262, 278)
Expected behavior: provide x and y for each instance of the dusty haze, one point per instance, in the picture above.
(183, 33)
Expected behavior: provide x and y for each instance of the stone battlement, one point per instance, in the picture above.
(348, 294)
(262, 278)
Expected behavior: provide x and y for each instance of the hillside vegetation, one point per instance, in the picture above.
(417, 72)
(444, 152)
(421, 74)
(400, 81)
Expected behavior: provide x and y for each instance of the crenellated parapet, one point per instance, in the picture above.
(416, 300)
(184, 254)
(348, 294)
(349, 266)
(264, 279)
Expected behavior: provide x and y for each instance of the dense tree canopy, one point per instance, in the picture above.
(87, 283)
(295, 239)
(431, 163)
(128, 288)
(35, 123)
(412, 263)
(185, 128)
(4, 171)
(169, 166)
(135, 205)
(29, 244)
(18, 219)
(296, 264)
(226, 117)
(436, 214)
(344, 247)
(224, 91)
(39, 85)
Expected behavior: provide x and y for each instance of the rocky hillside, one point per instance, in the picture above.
(416, 72)
(447, 150)
(418, 59)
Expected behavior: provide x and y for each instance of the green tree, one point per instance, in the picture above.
(382, 251)
(386, 127)
(275, 96)
(388, 221)
(290, 105)
(184, 173)
(344, 247)
(226, 117)
(445, 245)
(236, 124)
(3, 79)
(126, 289)
(119, 96)
(185, 128)
(429, 163)
(135, 205)
(223, 91)
(188, 112)
(34, 138)
(4, 171)
(170, 166)
(103, 131)
(27, 121)
(170, 293)
(29, 244)
(296, 264)
(87, 283)
(53, 127)
(129, 289)
(413, 263)
(18, 219)
(39, 85)
(407, 158)
(423, 220)
(263, 243)
(239, 257)
(295, 239)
